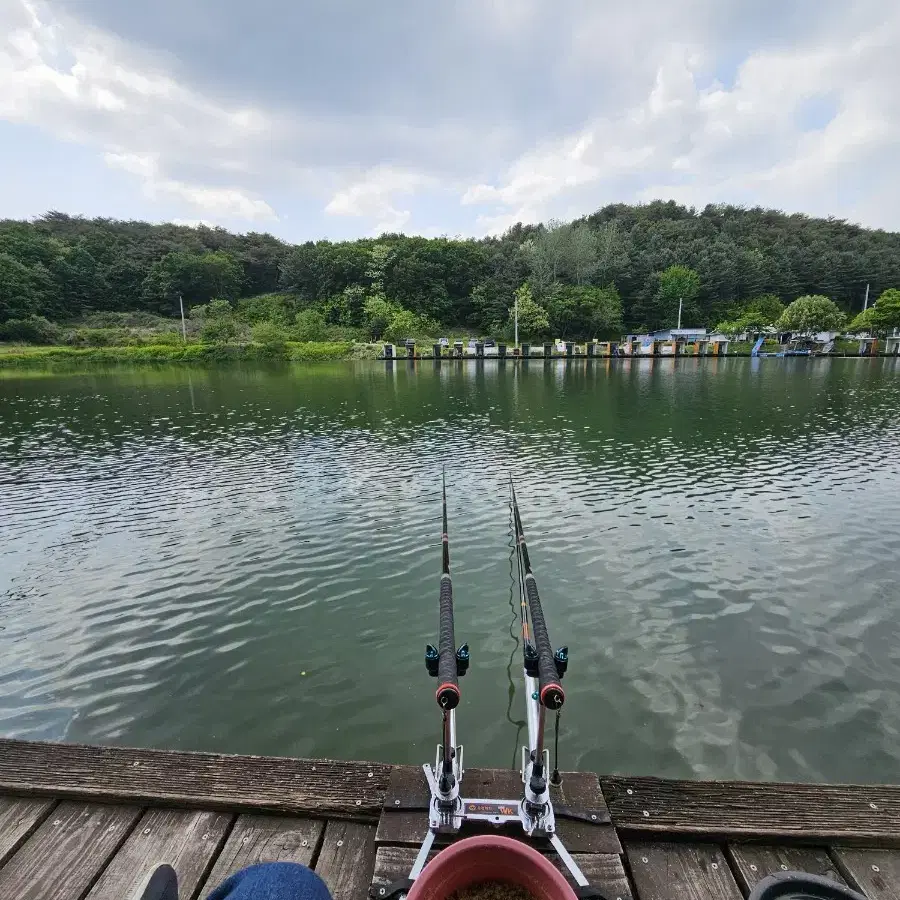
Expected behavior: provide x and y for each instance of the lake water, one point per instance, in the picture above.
(247, 560)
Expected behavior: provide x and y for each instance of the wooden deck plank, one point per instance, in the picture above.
(62, 859)
(392, 864)
(676, 871)
(603, 870)
(19, 817)
(753, 862)
(198, 780)
(405, 818)
(186, 839)
(814, 813)
(875, 873)
(257, 839)
(581, 790)
(347, 859)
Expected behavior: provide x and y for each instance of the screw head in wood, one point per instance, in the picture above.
(752, 868)
(644, 859)
(873, 806)
(396, 803)
(783, 867)
(715, 865)
(593, 817)
(380, 892)
(629, 791)
(57, 821)
(875, 869)
(646, 814)
(370, 775)
(146, 831)
(340, 843)
(359, 802)
(304, 843)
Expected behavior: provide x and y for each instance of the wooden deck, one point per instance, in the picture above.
(87, 822)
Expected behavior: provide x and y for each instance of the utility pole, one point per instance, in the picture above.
(183, 326)
(516, 316)
(679, 312)
(866, 304)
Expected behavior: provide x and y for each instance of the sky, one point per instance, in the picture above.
(348, 118)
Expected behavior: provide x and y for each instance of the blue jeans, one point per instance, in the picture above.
(272, 881)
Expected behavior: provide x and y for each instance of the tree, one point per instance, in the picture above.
(490, 303)
(533, 321)
(584, 312)
(354, 301)
(758, 315)
(403, 324)
(59, 266)
(82, 286)
(197, 277)
(886, 314)
(379, 259)
(612, 255)
(377, 315)
(678, 284)
(279, 309)
(762, 311)
(582, 259)
(562, 252)
(20, 292)
(33, 330)
(219, 324)
(729, 327)
(810, 314)
(310, 325)
(863, 322)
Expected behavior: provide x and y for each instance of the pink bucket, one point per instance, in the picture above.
(490, 858)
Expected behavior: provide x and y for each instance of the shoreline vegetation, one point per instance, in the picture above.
(19, 356)
(27, 356)
(100, 290)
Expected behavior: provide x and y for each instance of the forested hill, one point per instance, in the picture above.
(61, 266)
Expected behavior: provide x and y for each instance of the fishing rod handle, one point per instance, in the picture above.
(551, 693)
(447, 694)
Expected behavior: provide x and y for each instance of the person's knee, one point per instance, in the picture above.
(272, 881)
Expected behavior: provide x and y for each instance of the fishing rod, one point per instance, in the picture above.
(544, 670)
(448, 811)
(448, 664)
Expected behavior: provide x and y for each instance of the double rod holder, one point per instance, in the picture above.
(543, 670)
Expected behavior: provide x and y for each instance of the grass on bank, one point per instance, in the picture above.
(12, 355)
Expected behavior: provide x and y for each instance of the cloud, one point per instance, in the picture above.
(217, 202)
(465, 117)
(84, 86)
(373, 196)
(752, 143)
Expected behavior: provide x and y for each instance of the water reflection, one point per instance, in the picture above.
(245, 560)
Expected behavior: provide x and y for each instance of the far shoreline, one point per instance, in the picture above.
(30, 357)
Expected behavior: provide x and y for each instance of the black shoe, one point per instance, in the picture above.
(160, 884)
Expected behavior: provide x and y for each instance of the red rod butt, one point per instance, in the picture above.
(553, 696)
(447, 696)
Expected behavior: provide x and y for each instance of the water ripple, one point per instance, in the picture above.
(245, 561)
